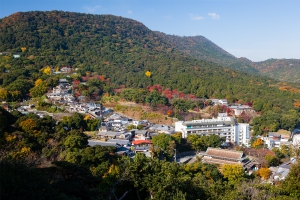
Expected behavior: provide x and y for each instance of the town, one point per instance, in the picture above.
(130, 136)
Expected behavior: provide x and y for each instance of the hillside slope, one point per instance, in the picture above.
(201, 48)
(286, 70)
(122, 50)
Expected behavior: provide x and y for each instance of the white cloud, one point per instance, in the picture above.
(214, 15)
(129, 12)
(196, 17)
(91, 9)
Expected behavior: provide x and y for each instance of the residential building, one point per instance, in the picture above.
(284, 169)
(161, 128)
(273, 140)
(223, 126)
(223, 102)
(296, 140)
(239, 109)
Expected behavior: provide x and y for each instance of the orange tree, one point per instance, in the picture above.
(264, 173)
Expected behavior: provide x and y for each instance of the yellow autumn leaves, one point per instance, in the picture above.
(148, 74)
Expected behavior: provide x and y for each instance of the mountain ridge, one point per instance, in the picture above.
(198, 47)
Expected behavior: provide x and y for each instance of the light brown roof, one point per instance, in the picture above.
(210, 160)
(224, 153)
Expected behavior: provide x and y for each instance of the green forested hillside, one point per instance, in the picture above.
(122, 50)
(287, 70)
(201, 48)
(118, 48)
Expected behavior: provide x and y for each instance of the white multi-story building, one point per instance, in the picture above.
(223, 126)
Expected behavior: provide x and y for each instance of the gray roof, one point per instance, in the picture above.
(95, 142)
(271, 134)
(136, 131)
(119, 141)
(63, 80)
(284, 169)
(109, 133)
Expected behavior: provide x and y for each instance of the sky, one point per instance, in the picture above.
(255, 29)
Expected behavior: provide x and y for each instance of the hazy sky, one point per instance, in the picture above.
(256, 29)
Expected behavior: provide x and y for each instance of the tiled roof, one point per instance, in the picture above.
(224, 153)
(137, 142)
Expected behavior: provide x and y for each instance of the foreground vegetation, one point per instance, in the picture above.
(58, 163)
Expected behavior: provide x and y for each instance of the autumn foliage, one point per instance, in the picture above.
(258, 143)
(264, 173)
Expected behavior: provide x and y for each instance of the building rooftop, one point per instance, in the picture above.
(109, 133)
(138, 142)
(224, 153)
(95, 142)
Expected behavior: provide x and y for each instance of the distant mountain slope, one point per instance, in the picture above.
(286, 70)
(203, 49)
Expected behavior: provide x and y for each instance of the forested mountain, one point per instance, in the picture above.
(286, 70)
(201, 48)
(122, 50)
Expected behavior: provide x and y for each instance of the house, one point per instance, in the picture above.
(239, 109)
(296, 140)
(108, 134)
(141, 142)
(122, 142)
(106, 111)
(104, 128)
(127, 136)
(66, 69)
(275, 140)
(142, 146)
(274, 136)
(136, 122)
(101, 143)
(223, 102)
(16, 56)
(63, 81)
(4, 53)
(284, 169)
(141, 134)
(160, 128)
(214, 101)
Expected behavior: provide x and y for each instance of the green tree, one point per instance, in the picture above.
(162, 140)
(76, 140)
(199, 142)
(292, 181)
(39, 89)
(272, 160)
